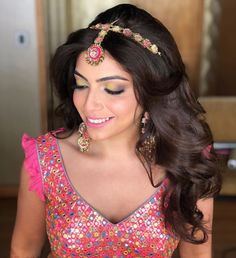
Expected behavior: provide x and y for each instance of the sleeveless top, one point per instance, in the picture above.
(75, 228)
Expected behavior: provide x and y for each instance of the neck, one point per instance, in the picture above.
(114, 148)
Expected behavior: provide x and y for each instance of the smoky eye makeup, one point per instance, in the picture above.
(113, 89)
(110, 87)
(80, 83)
(112, 92)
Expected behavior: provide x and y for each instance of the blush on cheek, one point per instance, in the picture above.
(126, 108)
(120, 107)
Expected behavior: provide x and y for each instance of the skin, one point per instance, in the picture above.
(29, 231)
(93, 174)
(92, 100)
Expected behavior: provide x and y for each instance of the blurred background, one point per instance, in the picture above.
(30, 32)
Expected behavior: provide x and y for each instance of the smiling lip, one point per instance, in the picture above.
(97, 122)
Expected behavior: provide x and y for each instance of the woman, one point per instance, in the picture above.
(132, 172)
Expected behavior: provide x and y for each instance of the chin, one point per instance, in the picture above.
(98, 136)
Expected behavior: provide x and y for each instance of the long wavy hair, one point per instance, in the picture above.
(176, 117)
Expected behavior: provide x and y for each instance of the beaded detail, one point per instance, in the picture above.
(95, 53)
(76, 229)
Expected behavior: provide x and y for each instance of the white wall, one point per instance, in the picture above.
(84, 11)
(19, 88)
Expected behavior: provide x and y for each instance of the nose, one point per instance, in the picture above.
(93, 101)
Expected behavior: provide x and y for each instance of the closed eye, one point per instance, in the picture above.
(79, 87)
(114, 92)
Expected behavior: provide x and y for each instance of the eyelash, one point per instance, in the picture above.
(111, 92)
(79, 87)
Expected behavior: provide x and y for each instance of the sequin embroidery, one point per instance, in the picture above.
(75, 229)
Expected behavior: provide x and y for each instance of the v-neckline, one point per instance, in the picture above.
(90, 206)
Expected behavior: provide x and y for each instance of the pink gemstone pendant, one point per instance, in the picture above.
(95, 54)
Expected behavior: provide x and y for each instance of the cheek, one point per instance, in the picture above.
(77, 99)
(118, 106)
(127, 106)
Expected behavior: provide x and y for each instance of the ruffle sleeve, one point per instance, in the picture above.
(32, 166)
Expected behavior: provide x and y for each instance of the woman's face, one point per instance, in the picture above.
(104, 97)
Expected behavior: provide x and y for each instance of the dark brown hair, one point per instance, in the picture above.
(162, 89)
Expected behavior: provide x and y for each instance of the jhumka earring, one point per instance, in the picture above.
(149, 144)
(83, 140)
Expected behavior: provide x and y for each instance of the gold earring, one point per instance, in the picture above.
(149, 143)
(83, 140)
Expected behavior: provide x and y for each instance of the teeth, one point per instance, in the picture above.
(98, 121)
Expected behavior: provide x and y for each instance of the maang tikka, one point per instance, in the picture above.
(95, 53)
(149, 143)
(83, 140)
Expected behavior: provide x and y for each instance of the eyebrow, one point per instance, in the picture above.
(108, 78)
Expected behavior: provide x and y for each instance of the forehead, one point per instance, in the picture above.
(108, 67)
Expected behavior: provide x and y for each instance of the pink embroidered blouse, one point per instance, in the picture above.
(75, 228)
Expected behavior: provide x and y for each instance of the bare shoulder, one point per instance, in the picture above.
(29, 231)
